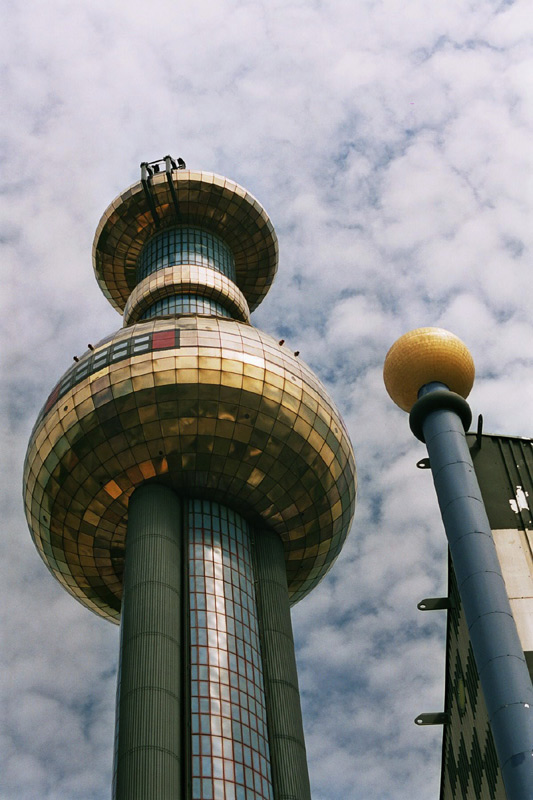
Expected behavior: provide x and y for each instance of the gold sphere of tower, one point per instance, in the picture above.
(427, 355)
(209, 406)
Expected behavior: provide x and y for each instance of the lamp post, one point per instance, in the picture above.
(429, 372)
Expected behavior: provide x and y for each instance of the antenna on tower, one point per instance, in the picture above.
(151, 168)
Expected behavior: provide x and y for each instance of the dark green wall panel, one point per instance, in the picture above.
(286, 739)
(148, 757)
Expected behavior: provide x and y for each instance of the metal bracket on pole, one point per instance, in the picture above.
(433, 718)
(479, 435)
(434, 604)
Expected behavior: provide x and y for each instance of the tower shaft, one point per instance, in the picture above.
(287, 746)
(207, 702)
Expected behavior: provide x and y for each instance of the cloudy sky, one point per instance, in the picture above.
(391, 143)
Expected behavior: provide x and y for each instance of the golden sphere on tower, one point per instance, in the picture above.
(427, 355)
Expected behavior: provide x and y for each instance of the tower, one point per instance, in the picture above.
(488, 717)
(191, 477)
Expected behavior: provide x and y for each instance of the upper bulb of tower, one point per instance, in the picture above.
(186, 393)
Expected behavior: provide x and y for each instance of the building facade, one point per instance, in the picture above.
(190, 477)
(504, 469)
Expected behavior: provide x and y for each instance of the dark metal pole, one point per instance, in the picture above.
(148, 739)
(284, 716)
(437, 418)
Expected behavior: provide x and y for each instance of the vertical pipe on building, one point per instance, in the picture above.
(497, 649)
(148, 760)
(286, 739)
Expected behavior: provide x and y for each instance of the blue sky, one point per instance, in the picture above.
(391, 144)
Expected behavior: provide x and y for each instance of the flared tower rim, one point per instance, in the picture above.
(199, 199)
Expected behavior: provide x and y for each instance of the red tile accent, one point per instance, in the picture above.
(51, 400)
(162, 340)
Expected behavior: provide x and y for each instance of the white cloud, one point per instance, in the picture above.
(392, 148)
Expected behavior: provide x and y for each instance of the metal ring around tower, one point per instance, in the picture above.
(186, 279)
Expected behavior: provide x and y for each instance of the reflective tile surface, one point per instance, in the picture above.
(211, 406)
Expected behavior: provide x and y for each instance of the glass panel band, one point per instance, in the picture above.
(230, 755)
(185, 246)
(185, 304)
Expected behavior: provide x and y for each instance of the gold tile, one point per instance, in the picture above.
(228, 406)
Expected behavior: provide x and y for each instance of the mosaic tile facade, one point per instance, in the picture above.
(470, 769)
(504, 466)
(209, 405)
(186, 279)
(189, 397)
(230, 754)
(206, 201)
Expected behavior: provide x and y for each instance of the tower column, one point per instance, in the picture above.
(148, 741)
(284, 716)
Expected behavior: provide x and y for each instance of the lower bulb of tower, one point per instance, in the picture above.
(212, 407)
